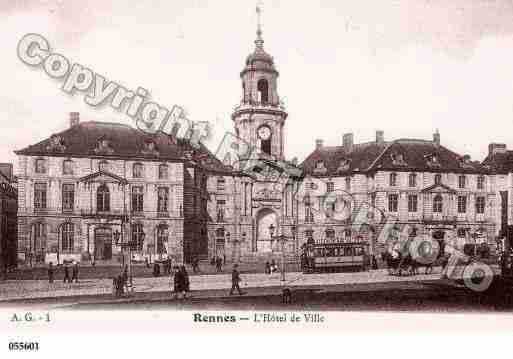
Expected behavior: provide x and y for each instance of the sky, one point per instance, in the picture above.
(407, 67)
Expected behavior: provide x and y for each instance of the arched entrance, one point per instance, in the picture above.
(103, 243)
(265, 217)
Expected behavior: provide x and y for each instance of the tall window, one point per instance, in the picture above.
(162, 235)
(437, 204)
(162, 201)
(40, 165)
(68, 197)
(39, 196)
(462, 204)
(412, 180)
(348, 183)
(392, 202)
(412, 203)
(438, 179)
(462, 181)
(480, 182)
(103, 166)
(393, 179)
(263, 91)
(138, 170)
(220, 183)
(480, 204)
(137, 199)
(67, 167)
(39, 235)
(138, 236)
(163, 172)
(221, 204)
(103, 199)
(330, 187)
(67, 234)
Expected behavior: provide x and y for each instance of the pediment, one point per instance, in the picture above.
(439, 188)
(103, 176)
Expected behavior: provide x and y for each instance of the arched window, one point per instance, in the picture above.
(330, 235)
(263, 91)
(393, 179)
(138, 170)
(438, 178)
(437, 203)
(67, 167)
(67, 236)
(103, 199)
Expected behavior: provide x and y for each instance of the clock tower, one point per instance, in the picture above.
(259, 119)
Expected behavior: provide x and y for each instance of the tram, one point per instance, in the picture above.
(333, 256)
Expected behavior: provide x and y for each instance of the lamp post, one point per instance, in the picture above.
(224, 249)
(116, 240)
(282, 239)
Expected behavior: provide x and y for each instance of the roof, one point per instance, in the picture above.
(500, 162)
(105, 139)
(398, 155)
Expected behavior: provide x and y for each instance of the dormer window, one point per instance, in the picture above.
(433, 160)
(104, 146)
(398, 159)
(320, 167)
(344, 165)
(40, 165)
(150, 149)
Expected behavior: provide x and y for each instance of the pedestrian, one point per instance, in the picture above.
(219, 264)
(177, 282)
(74, 272)
(66, 273)
(124, 277)
(156, 270)
(267, 268)
(185, 281)
(50, 272)
(236, 280)
(195, 265)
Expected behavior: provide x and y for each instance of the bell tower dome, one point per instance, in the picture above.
(259, 119)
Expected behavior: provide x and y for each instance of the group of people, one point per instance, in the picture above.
(120, 283)
(67, 278)
(218, 262)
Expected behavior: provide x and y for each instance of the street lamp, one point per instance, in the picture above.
(224, 249)
(271, 232)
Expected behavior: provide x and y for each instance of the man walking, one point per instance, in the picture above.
(74, 272)
(235, 280)
(50, 272)
(66, 273)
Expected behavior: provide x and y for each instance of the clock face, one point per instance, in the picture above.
(264, 133)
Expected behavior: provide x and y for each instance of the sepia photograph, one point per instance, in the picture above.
(255, 164)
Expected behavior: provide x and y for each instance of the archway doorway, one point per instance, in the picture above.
(265, 218)
(103, 243)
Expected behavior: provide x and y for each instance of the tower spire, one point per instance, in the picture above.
(259, 42)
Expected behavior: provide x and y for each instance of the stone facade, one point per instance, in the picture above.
(8, 218)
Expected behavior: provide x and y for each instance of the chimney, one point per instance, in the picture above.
(436, 138)
(318, 144)
(494, 148)
(6, 170)
(380, 136)
(347, 142)
(74, 118)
